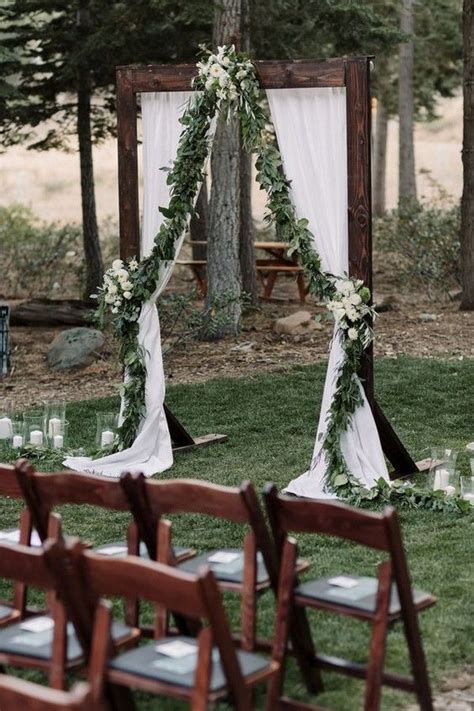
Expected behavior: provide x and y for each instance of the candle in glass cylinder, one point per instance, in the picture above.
(5, 428)
(17, 441)
(54, 427)
(36, 437)
(107, 438)
(58, 441)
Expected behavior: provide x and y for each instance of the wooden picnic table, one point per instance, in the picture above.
(268, 269)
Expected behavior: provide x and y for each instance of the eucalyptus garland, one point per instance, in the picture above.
(227, 85)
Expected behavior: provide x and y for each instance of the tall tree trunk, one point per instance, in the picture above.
(199, 227)
(90, 231)
(248, 266)
(380, 159)
(223, 267)
(406, 106)
(467, 204)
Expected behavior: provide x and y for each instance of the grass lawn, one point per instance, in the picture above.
(271, 422)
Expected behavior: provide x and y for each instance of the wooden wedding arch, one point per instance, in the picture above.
(353, 73)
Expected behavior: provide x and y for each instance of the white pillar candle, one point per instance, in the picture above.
(470, 498)
(36, 437)
(17, 441)
(58, 441)
(107, 437)
(6, 430)
(54, 427)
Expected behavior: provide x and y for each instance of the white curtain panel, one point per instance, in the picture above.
(151, 451)
(310, 125)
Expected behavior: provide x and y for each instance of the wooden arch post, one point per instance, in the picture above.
(351, 73)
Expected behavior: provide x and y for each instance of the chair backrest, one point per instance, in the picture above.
(9, 485)
(291, 515)
(43, 492)
(20, 694)
(26, 564)
(150, 500)
(82, 577)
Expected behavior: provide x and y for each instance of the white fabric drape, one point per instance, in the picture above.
(310, 125)
(151, 451)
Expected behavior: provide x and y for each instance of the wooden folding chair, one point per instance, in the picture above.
(18, 694)
(24, 534)
(251, 570)
(380, 601)
(44, 492)
(43, 642)
(198, 670)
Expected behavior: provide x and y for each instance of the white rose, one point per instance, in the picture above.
(117, 264)
(223, 79)
(127, 294)
(111, 288)
(215, 71)
(118, 302)
(352, 314)
(122, 275)
(115, 310)
(344, 286)
(352, 333)
(109, 299)
(127, 286)
(354, 299)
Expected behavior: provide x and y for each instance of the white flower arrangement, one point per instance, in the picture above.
(350, 306)
(228, 75)
(118, 284)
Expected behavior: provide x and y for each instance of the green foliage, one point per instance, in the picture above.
(49, 46)
(426, 241)
(44, 259)
(37, 258)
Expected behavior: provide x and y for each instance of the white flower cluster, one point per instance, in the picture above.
(348, 306)
(117, 283)
(226, 74)
(268, 133)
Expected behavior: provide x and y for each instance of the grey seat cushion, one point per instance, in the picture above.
(148, 663)
(227, 572)
(14, 640)
(360, 597)
(119, 549)
(5, 611)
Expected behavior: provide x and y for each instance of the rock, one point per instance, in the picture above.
(455, 294)
(74, 348)
(243, 347)
(383, 303)
(428, 317)
(297, 324)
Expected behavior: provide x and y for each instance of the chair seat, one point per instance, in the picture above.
(361, 596)
(19, 642)
(119, 549)
(148, 663)
(6, 611)
(231, 572)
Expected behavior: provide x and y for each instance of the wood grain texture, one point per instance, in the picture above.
(127, 165)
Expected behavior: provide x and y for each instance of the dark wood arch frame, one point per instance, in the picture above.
(353, 73)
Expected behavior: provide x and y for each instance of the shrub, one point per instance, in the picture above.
(425, 239)
(43, 259)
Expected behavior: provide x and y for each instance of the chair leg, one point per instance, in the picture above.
(301, 287)
(373, 685)
(248, 604)
(418, 664)
(57, 669)
(304, 650)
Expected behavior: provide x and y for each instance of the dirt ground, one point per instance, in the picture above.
(414, 325)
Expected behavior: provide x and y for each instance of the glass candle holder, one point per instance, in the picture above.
(442, 472)
(5, 418)
(18, 434)
(59, 439)
(34, 428)
(467, 488)
(54, 418)
(106, 431)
